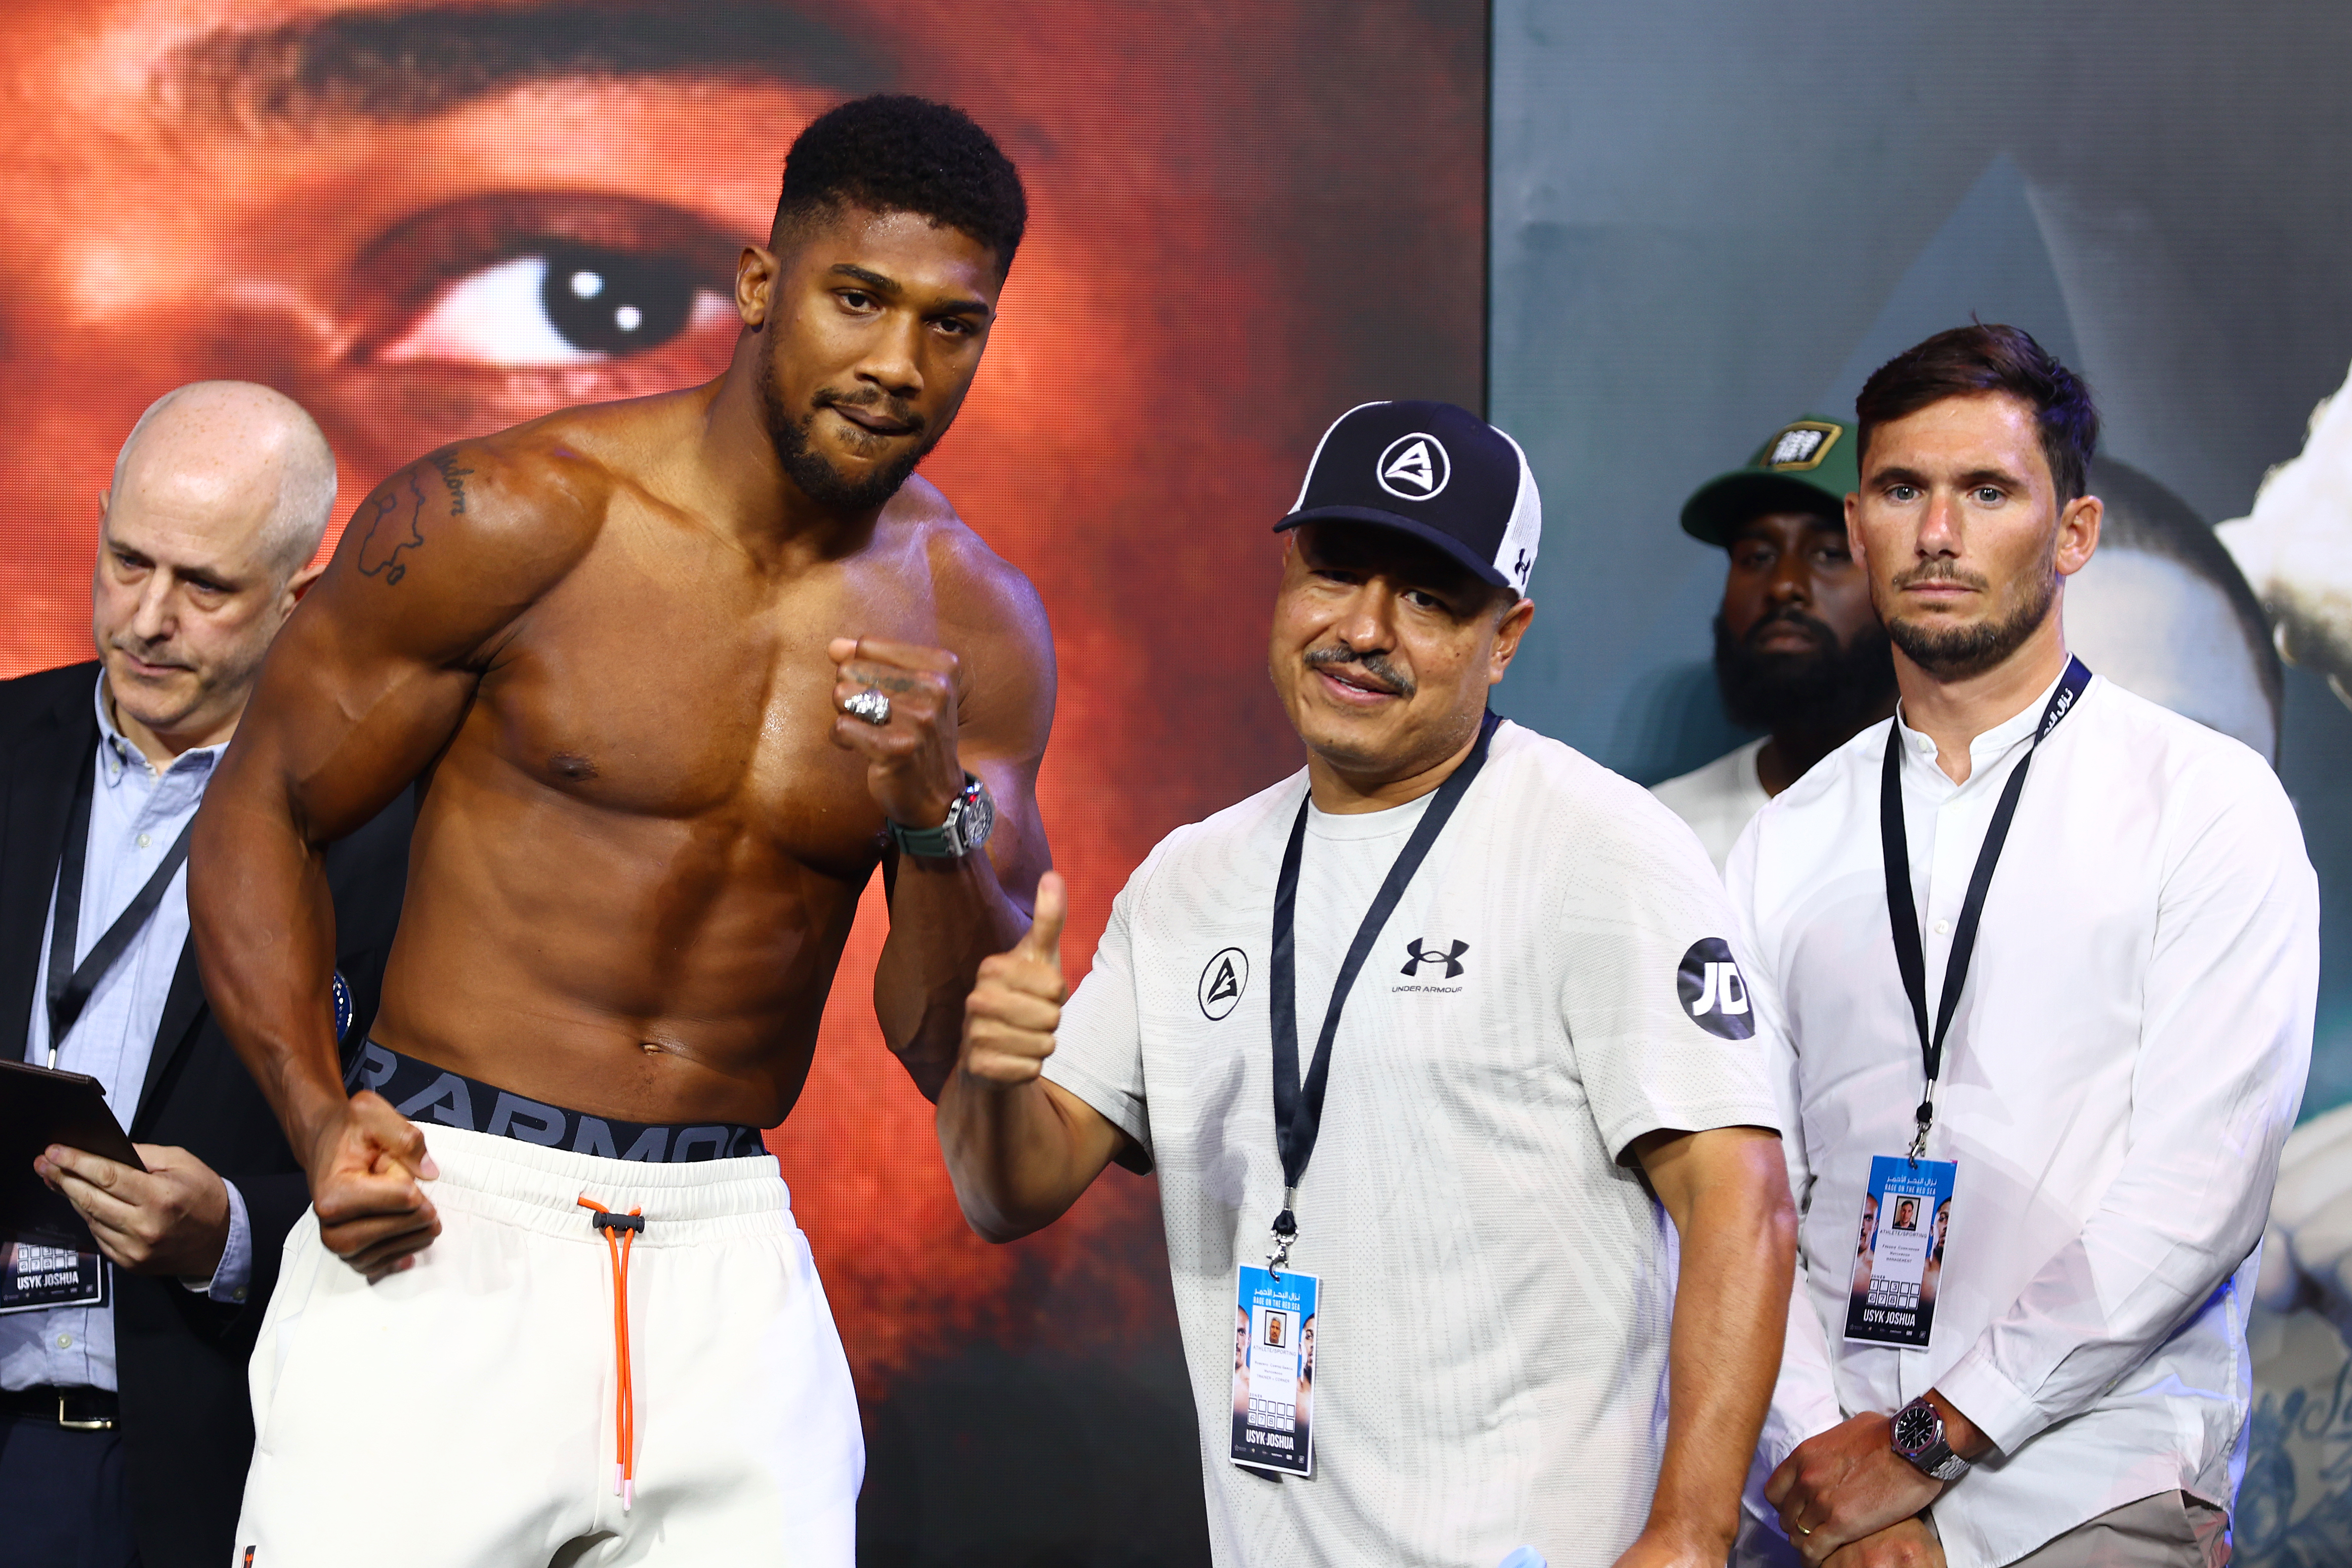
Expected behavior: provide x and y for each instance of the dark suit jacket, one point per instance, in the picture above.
(187, 1424)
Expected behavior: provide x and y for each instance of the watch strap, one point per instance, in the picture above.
(971, 816)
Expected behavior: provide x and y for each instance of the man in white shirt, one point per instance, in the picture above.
(1509, 969)
(1799, 651)
(2094, 982)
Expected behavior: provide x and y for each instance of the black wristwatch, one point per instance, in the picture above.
(971, 816)
(1919, 1438)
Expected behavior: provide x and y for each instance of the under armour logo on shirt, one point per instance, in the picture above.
(1452, 960)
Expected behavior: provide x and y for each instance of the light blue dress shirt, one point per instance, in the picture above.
(135, 814)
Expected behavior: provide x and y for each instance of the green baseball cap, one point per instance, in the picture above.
(1807, 465)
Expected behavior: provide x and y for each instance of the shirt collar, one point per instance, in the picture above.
(121, 756)
(1990, 746)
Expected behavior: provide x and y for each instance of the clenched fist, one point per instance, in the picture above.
(366, 1167)
(911, 756)
(1010, 1016)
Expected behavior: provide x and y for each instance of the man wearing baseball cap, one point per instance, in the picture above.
(1799, 651)
(1429, 1042)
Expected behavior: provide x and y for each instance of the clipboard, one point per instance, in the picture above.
(40, 1106)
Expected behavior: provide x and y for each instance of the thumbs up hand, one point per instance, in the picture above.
(1010, 1018)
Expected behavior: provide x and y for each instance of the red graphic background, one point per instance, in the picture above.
(1247, 218)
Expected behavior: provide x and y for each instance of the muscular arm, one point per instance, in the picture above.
(366, 684)
(985, 710)
(1727, 1192)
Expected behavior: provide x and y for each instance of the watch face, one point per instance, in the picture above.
(1915, 1428)
(977, 816)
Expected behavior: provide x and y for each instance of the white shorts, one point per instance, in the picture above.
(463, 1412)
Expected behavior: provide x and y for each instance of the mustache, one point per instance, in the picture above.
(1940, 571)
(889, 408)
(1789, 616)
(1375, 664)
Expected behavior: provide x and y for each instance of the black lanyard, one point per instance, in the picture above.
(1299, 1110)
(71, 983)
(1900, 912)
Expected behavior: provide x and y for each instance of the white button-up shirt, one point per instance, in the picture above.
(136, 814)
(2125, 1061)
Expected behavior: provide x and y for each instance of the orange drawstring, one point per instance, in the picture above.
(620, 1232)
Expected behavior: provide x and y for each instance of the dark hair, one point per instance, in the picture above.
(897, 154)
(1979, 358)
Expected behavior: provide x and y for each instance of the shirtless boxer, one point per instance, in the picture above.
(676, 673)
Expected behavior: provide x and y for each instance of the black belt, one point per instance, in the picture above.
(79, 1409)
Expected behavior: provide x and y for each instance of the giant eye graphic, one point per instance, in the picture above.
(564, 307)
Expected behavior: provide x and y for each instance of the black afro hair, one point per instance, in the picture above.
(894, 152)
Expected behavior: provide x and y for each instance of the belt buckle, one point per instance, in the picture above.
(103, 1424)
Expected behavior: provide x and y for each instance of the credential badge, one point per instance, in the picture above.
(1223, 983)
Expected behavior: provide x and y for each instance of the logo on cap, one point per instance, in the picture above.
(1413, 468)
(1801, 446)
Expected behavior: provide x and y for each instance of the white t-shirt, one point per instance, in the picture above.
(1720, 800)
(1497, 1287)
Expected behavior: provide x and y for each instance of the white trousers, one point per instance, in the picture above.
(463, 1413)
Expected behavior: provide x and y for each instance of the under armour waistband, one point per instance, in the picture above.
(424, 1092)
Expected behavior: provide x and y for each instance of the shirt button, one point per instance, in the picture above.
(64, 1342)
(238, 1293)
(1942, 927)
(143, 841)
(1926, 743)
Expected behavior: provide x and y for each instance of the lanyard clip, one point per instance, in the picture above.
(1925, 1117)
(1285, 1231)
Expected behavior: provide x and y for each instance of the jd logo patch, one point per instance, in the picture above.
(1413, 468)
(1424, 951)
(1713, 992)
(1223, 983)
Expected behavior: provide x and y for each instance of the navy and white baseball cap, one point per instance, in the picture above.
(1436, 472)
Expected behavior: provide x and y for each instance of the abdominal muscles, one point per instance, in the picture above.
(641, 968)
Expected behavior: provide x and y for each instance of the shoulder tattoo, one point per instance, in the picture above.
(395, 523)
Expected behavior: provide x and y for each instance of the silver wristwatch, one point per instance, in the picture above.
(1919, 1438)
(971, 816)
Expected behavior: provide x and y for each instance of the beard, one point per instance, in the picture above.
(1828, 689)
(818, 479)
(1957, 653)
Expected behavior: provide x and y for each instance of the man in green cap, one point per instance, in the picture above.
(1799, 652)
